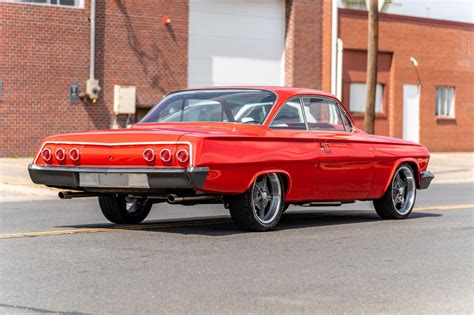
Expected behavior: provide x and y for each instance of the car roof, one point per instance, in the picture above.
(280, 90)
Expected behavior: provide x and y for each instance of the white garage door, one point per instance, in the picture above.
(236, 42)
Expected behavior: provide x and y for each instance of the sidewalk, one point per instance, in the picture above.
(14, 178)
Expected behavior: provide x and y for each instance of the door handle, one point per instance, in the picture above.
(324, 146)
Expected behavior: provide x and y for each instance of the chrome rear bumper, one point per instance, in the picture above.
(96, 177)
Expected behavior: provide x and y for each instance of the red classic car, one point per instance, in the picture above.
(255, 150)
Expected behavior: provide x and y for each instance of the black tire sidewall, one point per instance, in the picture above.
(244, 215)
(384, 206)
(115, 210)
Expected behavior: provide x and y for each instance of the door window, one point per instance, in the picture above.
(289, 116)
(322, 114)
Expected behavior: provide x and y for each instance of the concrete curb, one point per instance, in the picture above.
(28, 190)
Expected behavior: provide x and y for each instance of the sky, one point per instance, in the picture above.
(452, 10)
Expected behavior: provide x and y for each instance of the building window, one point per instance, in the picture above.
(63, 3)
(445, 101)
(358, 95)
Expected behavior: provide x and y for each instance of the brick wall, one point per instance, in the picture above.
(303, 43)
(444, 51)
(44, 49)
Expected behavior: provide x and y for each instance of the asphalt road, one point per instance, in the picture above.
(192, 259)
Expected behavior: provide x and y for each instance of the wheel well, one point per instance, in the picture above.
(282, 175)
(414, 167)
(285, 181)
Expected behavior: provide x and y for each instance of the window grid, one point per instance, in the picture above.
(59, 3)
(445, 101)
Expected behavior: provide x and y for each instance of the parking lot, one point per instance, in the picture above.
(64, 257)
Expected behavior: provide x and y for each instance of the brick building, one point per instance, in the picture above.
(443, 77)
(159, 46)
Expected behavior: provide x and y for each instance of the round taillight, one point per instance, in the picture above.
(74, 154)
(182, 155)
(165, 155)
(149, 155)
(60, 154)
(47, 155)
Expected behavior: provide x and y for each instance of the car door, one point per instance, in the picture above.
(345, 162)
(299, 148)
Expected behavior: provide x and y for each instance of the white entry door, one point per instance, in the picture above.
(411, 112)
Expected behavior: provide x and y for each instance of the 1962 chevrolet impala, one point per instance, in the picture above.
(255, 150)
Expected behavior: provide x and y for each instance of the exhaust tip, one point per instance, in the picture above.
(171, 198)
(62, 195)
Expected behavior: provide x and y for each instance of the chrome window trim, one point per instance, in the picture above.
(343, 113)
(214, 89)
(339, 106)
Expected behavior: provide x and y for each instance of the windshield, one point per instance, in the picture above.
(239, 106)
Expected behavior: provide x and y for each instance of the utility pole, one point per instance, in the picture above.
(372, 53)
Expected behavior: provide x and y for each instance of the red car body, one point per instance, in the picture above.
(228, 157)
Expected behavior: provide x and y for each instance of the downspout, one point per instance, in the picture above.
(92, 85)
(92, 43)
(340, 49)
(334, 34)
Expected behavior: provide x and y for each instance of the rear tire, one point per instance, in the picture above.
(260, 208)
(399, 199)
(121, 210)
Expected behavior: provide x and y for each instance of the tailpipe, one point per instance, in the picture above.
(203, 199)
(74, 194)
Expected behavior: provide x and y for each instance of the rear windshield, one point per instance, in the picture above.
(238, 106)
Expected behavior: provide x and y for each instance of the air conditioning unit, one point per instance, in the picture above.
(125, 97)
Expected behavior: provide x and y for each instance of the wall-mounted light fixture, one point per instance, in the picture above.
(414, 62)
(166, 20)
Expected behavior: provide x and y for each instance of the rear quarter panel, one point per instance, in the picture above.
(235, 162)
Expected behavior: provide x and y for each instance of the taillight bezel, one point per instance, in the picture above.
(182, 160)
(149, 160)
(170, 156)
(78, 154)
(64, 154)
(50, 155)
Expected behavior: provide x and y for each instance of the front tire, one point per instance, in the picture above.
(123, 210)
(399, 199)
(260, 208)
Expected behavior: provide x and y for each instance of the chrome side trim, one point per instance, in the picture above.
(107, 144)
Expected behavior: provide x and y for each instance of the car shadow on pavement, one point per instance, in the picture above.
(223, 225)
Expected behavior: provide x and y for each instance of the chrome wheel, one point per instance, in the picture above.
(403, 190)
(266, 198)
(134, 205)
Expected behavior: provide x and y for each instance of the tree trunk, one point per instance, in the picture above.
(372, 52)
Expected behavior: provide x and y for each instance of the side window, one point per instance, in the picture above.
(345, 119)
(322, 114)
(289, 116)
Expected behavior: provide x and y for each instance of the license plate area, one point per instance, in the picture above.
(113, 180)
